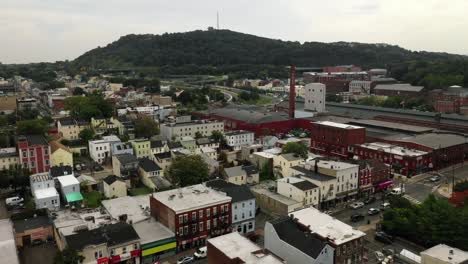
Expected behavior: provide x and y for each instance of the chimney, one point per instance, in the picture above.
(292, 91)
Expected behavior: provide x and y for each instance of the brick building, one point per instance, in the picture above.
(400, 89)
(374, 176)
(335, 139)
(34, 153)
(402, 160)
(193, 213)
(450, 100)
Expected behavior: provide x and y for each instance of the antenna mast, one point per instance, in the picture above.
(217, 20)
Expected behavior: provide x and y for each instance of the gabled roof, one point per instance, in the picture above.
(234, 171)
(289, 232)
(111, 179)
(148, 165)
(55, 145)
(111, 235)
(173, 144)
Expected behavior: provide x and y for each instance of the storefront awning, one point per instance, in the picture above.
(74, 197)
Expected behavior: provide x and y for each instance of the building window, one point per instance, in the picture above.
(112, 252)
(181, 231)
(185, 230)
(135, 246)
(215, 222)
(181, 219)
(124, 250)
(201, 226)
(208, 211)
(194, 216)
(46, 152)
(31, 153)
(96, 255)
(226, 207)
(250, 226)
(33, 164)
(235, 206)
(243, 215)
(208, 225)
(200, 214)
(235, 217)
(185, 218)
(215, 210)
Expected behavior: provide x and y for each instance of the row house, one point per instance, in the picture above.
(8, 158)
(109, 244)
(175, 131)
(242, 203)
(374, 176)
(299, 190)
(193, 213)
(141, 147)
(34, 153)
(402, 160)
(451, 100)
(100, 150)
(347, 242)
(70, 128)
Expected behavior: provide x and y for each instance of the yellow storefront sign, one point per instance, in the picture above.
(157, 249)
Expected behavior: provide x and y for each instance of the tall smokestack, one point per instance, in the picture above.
(292, 91)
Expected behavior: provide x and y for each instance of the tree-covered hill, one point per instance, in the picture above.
(224, 48)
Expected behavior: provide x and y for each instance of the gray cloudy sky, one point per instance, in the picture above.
(50, 30)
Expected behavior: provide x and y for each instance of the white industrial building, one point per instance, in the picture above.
(314, 97)
(360, 87)
(175, 131)
(237, 139)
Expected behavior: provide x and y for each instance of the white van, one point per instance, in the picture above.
(396, 191)
(12, 201)
(200, 253)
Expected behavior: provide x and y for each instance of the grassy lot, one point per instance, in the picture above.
(92, 199)
(139, 191)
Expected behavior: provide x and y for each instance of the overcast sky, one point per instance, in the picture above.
(50, 30)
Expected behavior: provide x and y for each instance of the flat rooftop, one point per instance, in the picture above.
(68, 180)
(135, 207)
(234, 245)
(393, 149)
(335, 165)
(151, 231)
(69, 222)
(338, 125)
(191, 198)
(45, 193)
(391, 125)
(442, 252)
(326, 226)
(436, 140)
(275, 196)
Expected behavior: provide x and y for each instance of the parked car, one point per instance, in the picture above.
(396, 191)
(184, 260)
(435, 178)
(388, 251)
(385, 205)
(357, 217)
(379, 256)
(77, 167)
(200, 253)
(15, 200)
(373, 211)
(370, 200)
(383, 237)
(356, 205)
(37, 242)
